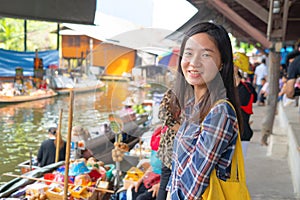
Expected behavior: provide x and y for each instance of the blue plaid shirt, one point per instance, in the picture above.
(198, 151)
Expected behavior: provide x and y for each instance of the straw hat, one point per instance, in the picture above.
(128, 101)
(79, 133)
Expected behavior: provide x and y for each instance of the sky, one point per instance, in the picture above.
(162, 14)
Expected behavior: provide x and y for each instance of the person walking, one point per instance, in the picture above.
(293, 60)
(209, 131)
(261, 71)
(247, 96)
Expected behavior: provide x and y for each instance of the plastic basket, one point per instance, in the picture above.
(109, 174)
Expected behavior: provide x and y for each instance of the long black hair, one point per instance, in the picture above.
(223, 84)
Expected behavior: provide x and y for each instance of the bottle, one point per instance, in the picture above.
(36, 60)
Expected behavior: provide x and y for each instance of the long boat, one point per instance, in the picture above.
(101, 143)
(91, 88)
(24, 98)
(64, 84)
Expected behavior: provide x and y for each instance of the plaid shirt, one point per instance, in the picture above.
(198, 151)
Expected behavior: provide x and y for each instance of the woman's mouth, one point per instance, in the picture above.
(194, 72)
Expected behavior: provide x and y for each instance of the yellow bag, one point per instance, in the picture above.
(235, 187)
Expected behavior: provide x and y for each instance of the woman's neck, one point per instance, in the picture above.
(199, 92)
(237, 81)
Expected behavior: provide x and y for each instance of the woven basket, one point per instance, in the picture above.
(55, 194)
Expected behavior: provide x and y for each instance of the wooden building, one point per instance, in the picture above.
(113, 59)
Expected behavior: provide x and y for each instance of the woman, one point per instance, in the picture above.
(80, 136)
(207, 136)
(247, 96)
(147, 187)
(169, 114)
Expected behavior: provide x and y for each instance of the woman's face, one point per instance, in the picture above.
(201, 60)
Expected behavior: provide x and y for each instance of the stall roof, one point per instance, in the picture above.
(251, 21)
(123, 33)
(69, 11)
(107, 27)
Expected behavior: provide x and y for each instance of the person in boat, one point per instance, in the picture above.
(47, 151)
(79, 138)
(147, 187)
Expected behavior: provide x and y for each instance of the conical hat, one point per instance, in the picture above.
(241, 60)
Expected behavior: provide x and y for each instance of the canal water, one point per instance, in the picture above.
(24, 126)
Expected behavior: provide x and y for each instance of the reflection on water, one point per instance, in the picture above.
(24, 126)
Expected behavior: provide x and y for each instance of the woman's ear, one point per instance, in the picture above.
(221, 67)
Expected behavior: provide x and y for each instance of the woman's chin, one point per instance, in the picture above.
(196, 83)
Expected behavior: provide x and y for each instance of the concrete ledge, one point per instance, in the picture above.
(289, 121)
(278, 146)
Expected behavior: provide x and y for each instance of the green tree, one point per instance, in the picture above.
(11, 34)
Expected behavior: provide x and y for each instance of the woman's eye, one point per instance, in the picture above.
(187, 53)
(205, 55)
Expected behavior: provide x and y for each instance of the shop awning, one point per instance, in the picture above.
(68, 11)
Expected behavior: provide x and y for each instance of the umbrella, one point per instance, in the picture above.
(169, 59)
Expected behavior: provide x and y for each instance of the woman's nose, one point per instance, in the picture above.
(195, 61)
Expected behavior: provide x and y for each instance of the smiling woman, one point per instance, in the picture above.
(206, 140)
(201, 61)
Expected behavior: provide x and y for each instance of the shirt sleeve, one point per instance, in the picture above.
(213, 148)
(292, 69)
(265, 71)
(164, 113)
(40, 154)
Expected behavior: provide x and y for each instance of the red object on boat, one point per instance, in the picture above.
(50, 177)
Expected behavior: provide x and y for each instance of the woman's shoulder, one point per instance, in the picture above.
(223, 106)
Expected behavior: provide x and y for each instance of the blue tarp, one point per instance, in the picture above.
(9, 60)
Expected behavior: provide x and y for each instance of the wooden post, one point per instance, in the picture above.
(273, 79)
(58, 136)
(66, 177)
(140, 143)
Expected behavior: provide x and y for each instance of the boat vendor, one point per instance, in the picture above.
(79, 138)
(47, 152)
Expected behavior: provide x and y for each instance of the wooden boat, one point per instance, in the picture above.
(101, 143)
(102, 140)
(24, 98)
(114, 78)
(7, 189)
(62, 91)
(62, 84)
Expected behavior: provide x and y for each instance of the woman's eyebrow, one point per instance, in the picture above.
(207, 49)
(188, 48)
(202, 49)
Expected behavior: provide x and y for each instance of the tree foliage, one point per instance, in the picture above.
(11, 34)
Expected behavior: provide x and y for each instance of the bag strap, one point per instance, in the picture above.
(237, 163)
(246, 86)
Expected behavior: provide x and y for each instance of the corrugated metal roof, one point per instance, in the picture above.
(71, 11)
